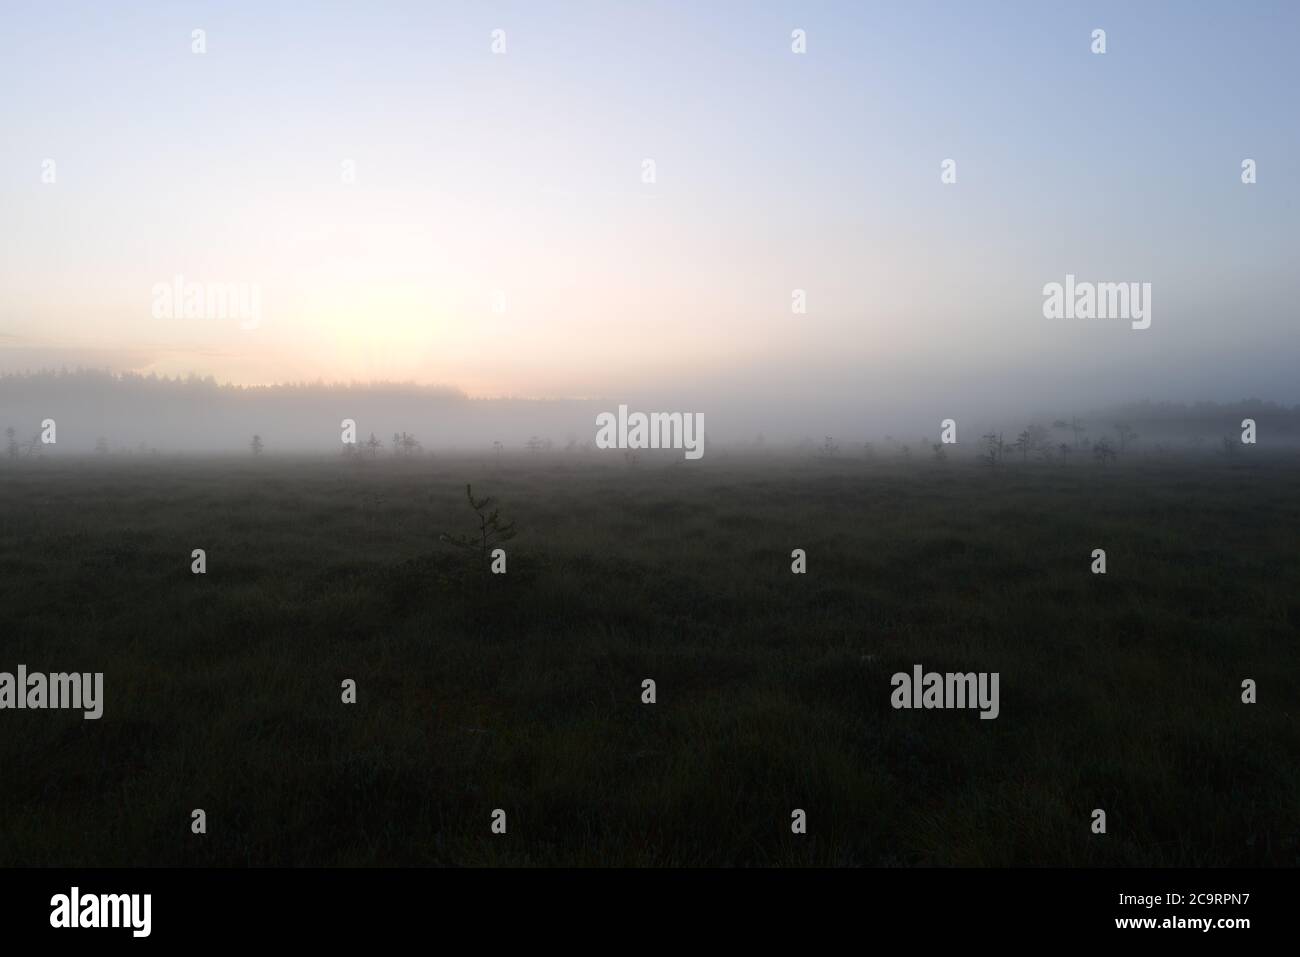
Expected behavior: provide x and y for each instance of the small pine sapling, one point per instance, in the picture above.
(492, 531)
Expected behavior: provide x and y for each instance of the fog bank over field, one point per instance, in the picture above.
(672, 206)
(197, 416)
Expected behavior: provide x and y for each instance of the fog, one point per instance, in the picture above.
(133, 413)
(678, 209)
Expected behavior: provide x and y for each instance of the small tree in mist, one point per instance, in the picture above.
(101, 446)
(828, 448)
(1065, 450)
(492, 531)
(1033, 439)
(940, 454)
(373, 445)
(256, 445)
(1126, 435)
(1229, 447)
(407, 446)
(1102, 452)
(994, 449)
(11, 443)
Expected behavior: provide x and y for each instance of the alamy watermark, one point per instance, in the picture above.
(651, 430)
(76, 909)
(930, 689)
(1100, 300)
(75, 691)
(179, 299)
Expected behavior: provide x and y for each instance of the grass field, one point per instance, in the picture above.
(523, 691)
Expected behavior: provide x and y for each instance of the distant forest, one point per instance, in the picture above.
(99, 382)
(131, 411)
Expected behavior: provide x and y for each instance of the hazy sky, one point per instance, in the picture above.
(521, 174)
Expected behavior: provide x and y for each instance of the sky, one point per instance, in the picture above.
(498, 233)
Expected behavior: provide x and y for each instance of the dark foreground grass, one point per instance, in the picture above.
(522, 691)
